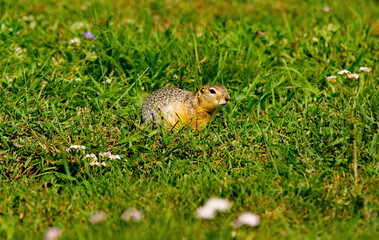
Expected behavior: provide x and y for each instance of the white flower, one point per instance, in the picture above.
(331, 78)
(132, 214)
(105, 154)
(352, 76)
(218, 204)
(94, 163)
(75, 148)
(74, 41)
(343, 72)
(98, 217)
(130, 21)
(52, 233)
(110, 156)
(364, 69)
(113, 157)
(205, 213)
(326, 9)
(91, 156)
(109, 80)
(247, 218)
(210, 208)
(97, 163)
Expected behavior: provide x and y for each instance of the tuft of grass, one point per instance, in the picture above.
(296, 149)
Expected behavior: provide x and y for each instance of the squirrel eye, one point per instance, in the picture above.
(212, 91)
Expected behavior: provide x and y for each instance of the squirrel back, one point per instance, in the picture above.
(176, 107)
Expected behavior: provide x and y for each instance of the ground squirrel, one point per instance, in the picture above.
(174, 107)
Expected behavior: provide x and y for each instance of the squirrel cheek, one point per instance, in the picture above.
(222, 102)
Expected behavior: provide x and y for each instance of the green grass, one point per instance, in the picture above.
(286, 147)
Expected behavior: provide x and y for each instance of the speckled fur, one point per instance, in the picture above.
(177, 107)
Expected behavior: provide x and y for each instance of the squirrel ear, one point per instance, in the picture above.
(202, 89)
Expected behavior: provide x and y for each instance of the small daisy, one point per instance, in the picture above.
(364, 69)
(74, 41)
(91, 156)
(209, 210)
(105, 154)
(114, 157)
(98, 217)
(130, 21)
(75, 148)
(94, 163)
(247, 218)
(218, 204)
(327, 9)
(108, 80)
(52, 233)
(332, 79)
(110, 156)
(352, 76)
(205, 213)
(343, 72)
(132, 214)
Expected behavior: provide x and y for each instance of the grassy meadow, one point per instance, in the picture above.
(293, 146)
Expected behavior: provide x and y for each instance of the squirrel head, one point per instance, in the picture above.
(212, 96)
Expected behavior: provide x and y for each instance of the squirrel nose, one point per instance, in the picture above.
(226, 100)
